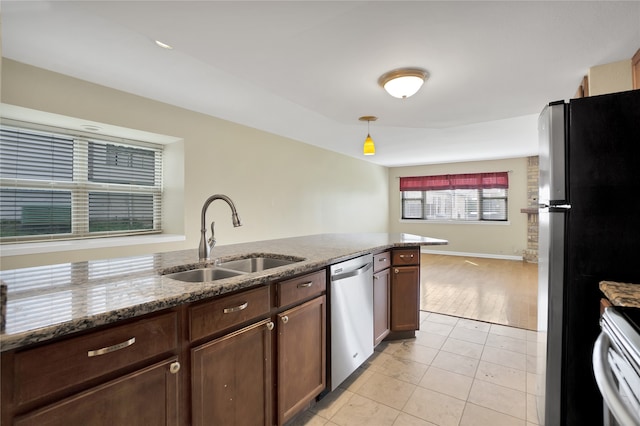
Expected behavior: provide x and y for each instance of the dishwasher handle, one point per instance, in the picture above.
(352, 273)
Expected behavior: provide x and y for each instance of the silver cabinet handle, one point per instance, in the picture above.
(270, 325)
(285, 319)
(397, 271)
(108, 349)
(236, 308)
(174, 367)
(305, 285)
(384, 259)
(375, 277)
(410, 256)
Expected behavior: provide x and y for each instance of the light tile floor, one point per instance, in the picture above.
(456, 372)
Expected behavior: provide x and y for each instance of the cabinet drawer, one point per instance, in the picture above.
(301, 288)
(57, 366)
(406, 257)
(381, 261)
(209, 318)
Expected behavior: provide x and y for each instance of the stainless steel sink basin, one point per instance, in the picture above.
(201, 275)
(257, 263)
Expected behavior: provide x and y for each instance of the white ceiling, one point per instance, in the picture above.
(308, 69)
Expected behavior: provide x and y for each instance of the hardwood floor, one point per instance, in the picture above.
(491, 290)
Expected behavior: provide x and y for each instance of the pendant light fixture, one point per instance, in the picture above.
(369, 148)
(403, 82)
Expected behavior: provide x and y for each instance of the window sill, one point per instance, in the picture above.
(95, 243)
(454, 222)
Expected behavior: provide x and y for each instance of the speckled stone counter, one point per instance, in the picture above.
(621, 294)
(51, 301)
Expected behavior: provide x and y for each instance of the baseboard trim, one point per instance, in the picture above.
(425, 250)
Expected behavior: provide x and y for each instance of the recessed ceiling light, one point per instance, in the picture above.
(163, 45)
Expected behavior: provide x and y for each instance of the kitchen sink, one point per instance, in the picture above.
(231, 268)
(257, 263)
(201, 275)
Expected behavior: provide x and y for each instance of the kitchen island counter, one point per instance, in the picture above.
(621, 294)
(47, 302)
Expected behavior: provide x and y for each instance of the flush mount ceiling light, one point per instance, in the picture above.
(403, 82)
(369, 148)
(163, 45)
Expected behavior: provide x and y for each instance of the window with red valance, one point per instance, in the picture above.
(457, 197)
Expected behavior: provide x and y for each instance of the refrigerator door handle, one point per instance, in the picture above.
(555, 206)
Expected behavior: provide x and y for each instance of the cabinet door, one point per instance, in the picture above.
(231, 378)
(145, 397)
(405, 298)
(301, 356)
(381, 308)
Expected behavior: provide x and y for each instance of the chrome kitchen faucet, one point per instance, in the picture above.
(204, 250)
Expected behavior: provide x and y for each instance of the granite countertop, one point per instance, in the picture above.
(621, 294)
(51, 301)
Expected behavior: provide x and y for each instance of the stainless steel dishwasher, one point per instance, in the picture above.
(351, 304)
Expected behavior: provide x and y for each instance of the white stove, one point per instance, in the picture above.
(616, 365)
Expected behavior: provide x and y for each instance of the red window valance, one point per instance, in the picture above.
(460, 181)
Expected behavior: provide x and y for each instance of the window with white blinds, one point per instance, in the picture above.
(61, 186)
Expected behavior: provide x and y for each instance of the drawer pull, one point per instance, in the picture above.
(174, 367)
(384, 259)
(285, 319)
(410, 256)
(397, 271)
(305, 285)
(113, 348)
(270, 325)
(236, 308)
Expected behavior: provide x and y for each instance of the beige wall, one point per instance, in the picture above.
(503, 240)
(281, 187)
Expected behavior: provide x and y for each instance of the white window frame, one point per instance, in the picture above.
(80, 186)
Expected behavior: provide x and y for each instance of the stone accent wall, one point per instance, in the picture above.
(531, 253)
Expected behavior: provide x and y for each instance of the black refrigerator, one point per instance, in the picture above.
(589, 231)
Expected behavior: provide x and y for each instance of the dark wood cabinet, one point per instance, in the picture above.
(381, 297)
(301, 357)
(231, 359)
(405, 290)
(265, 372)
(124, 374)
(231, 378)
(145, 397)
